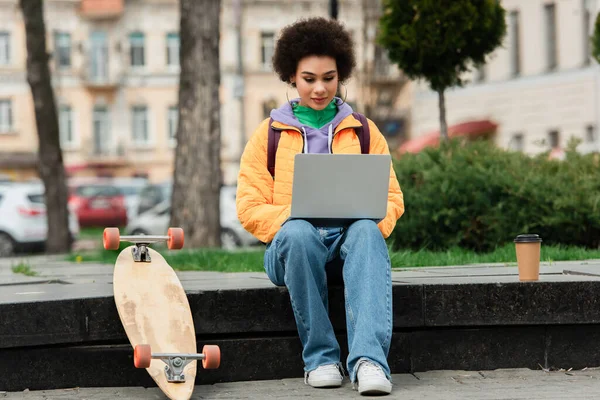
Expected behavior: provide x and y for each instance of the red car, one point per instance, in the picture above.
(98, 205)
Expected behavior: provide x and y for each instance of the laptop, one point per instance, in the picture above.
(338, 189)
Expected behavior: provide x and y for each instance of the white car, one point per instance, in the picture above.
(23, 220)
(155, 221)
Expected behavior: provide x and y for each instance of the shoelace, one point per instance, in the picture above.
(368, 368)
(328, 367)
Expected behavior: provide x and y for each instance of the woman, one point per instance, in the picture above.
(313, 55)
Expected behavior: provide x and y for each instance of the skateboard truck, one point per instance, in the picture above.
(176, 362)
(112, 239)
(140, 252)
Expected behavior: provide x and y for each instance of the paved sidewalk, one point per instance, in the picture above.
(513, 384)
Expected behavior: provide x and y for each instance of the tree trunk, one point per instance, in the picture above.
(50, 164)
(197, 175)
(443, 125)
(333, 9)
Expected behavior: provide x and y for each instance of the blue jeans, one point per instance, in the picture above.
(297, 257)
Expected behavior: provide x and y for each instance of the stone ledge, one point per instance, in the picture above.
(62, 327)
(244, 359)
(267, 311)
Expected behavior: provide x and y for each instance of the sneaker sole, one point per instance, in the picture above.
(325, 384)
(375, 390)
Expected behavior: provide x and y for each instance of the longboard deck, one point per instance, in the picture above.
(154, 310)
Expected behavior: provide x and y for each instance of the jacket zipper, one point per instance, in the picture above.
(335, 133)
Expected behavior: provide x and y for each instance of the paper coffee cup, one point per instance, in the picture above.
(528, 256)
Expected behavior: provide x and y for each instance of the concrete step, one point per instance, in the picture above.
(61, 326)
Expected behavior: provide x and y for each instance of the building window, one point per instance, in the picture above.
(590, 134)
(385, 97)
(6, 118)
(515, 52)
(4, 48)
(267, 107)
(553, 139)
(172, 49)
(267, 48)
(136, 49)
(517, 142)
(381, 61)
(551, 49)
(99, 56)
(139, 117)
(172, 119)
(62, 49)
(101, 130)
(65, 123)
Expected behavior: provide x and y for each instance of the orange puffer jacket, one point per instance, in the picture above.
(264, 203)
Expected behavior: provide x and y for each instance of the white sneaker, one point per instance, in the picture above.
(324, 376)
(371, 380)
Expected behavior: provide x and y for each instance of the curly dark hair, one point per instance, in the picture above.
(316, 36)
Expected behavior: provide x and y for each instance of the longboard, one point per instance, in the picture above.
(156, 315)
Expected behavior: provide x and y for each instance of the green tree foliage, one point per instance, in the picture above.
(438, 40)
(596, 40)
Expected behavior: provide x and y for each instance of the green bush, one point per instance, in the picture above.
(478, 196)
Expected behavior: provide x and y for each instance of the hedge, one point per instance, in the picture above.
(477, 196)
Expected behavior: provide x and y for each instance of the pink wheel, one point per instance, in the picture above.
(111, 238)
(142, 355)
(176, 238)
(212, 356)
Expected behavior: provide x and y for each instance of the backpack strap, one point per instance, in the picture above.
(363, 133)
(272, 144)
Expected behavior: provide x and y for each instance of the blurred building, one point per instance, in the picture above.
(386, 95)
(115, 69)
(540, 87)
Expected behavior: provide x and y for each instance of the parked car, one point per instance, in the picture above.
(5, 179)
(23, 220)
(155, 220)
(130, 187)
(98, 204)
(153, 194)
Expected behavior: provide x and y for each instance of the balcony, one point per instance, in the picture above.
(99, 156)
(101, 9)
(100, 83)
(382, 71)
(385, 72)
(100, 76)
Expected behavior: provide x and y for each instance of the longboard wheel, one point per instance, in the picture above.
(142, 356)
(175, 241)
(111, 238)
(212, 356)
